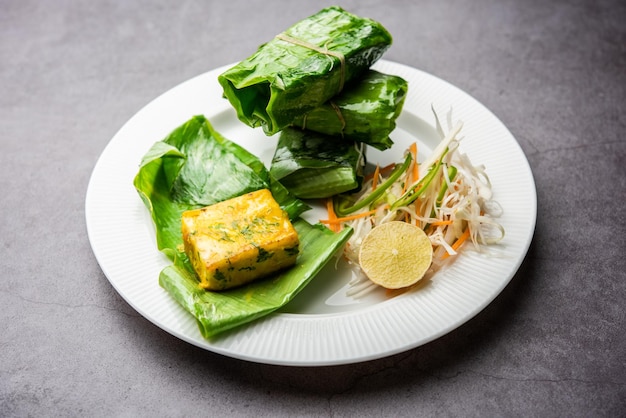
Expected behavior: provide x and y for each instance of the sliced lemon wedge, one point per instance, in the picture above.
(395, 254)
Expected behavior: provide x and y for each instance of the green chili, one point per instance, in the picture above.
(418, 188)
(341, 208)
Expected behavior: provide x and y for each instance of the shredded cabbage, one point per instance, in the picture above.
(451, 200)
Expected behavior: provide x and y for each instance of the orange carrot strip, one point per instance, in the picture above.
(461, 239)
(458, 242)
(383, 171)
(413, 169)
(335, 227)
(348, 218)
(386, 169)
(375, 179)
(441, 223)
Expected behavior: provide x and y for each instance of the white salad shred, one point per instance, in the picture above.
(456, 201)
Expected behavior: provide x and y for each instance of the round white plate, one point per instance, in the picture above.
(321, 326)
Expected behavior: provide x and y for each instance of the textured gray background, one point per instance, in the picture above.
(552, 344)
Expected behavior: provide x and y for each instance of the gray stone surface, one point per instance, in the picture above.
(552, 344)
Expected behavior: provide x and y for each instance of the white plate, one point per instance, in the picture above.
(321, 326)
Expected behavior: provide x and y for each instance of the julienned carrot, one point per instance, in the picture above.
(386, 169)
(413, 175)
(458, 242)
(348, 218)
(375, 179)
(332, 217)
(441, 223)
(382, 171)
(461, 239)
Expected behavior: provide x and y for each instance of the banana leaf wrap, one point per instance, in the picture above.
(365, 111)
(195, 166)
(313, 165)
(216, 312)
(303, 67)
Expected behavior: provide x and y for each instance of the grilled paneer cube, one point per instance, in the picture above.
(239, 240)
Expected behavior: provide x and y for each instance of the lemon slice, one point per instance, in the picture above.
(395, 254)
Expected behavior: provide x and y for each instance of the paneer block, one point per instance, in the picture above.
(239, 240)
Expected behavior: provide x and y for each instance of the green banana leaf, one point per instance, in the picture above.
(312, 165)
(302, 68)
(216, 312)
(366, 111)
(194, 166)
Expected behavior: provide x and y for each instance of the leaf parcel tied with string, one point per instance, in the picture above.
(303, 67)
(365, 111)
